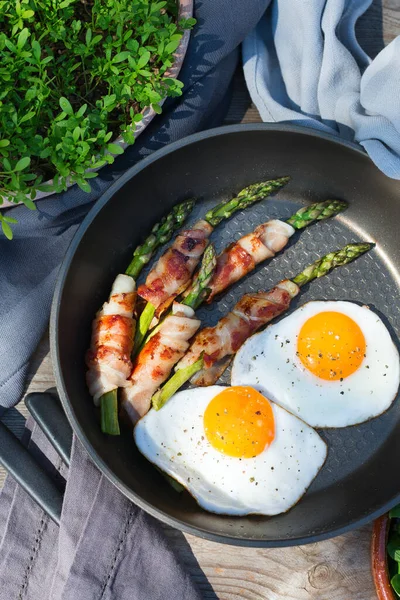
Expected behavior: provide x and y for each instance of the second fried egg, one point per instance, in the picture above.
(332, 363)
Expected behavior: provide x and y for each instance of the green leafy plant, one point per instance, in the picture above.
(73, 76)
(393, 549)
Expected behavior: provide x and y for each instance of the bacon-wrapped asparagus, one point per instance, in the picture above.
(213, 347)
(109, 358)
(222, 341)
(174, 269)
(155, 361)
(264, 242)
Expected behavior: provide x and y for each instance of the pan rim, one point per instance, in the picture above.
(54, 345)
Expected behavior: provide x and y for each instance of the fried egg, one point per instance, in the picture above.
(232, 449)
(332, 364)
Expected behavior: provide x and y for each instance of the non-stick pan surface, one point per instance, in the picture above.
(360, 478)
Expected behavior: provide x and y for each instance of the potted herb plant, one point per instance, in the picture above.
(385, 555)
(80, 79)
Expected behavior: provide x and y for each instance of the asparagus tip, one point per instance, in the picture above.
(325, 264)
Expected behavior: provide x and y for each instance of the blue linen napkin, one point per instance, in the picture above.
(304, 65)
(30, 263)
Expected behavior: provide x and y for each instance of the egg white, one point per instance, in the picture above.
(268, 362)
(268, 484)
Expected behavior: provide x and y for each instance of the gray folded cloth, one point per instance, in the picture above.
(106, 547)
(304, 65)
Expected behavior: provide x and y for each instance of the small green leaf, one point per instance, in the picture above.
(81, 111)
(10, 220)
(29, 204)
(46, 187)
(114, 149)
(66, 106)
(28, 116)
(4, 143)
(143, 60)
(395, 581)
(397, 555)
(30, 94)
(27, 14)
(36, 49)
(187, 23)
(76, 133)
(109, 100)
(23, 36)
(6, 230)
(45, 153)
(157, 108)
(22, 163)
(172, 46)
(85, 187)
(121, 56)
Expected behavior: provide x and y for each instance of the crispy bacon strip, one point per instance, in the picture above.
(175, 267)
(108, 359)
(157, 358)
(242, 256)
(219, 343)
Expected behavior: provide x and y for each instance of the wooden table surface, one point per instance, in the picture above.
(337, 569)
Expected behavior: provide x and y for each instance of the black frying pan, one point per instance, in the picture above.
(360, 478)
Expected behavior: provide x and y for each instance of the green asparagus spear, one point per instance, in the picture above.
(143, 325)
(330, 261)
(316, 212)
(177, 380)
(109, 413)
(199, 291)
(320, 267)
(160, 234)
(248, 196)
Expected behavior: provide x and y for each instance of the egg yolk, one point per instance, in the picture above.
(239, 422)
(331, 345)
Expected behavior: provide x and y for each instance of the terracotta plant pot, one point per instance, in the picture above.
(379, 563)
(185, 12)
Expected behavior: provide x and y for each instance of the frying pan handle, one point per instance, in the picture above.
(48, 413)
(19, 462)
